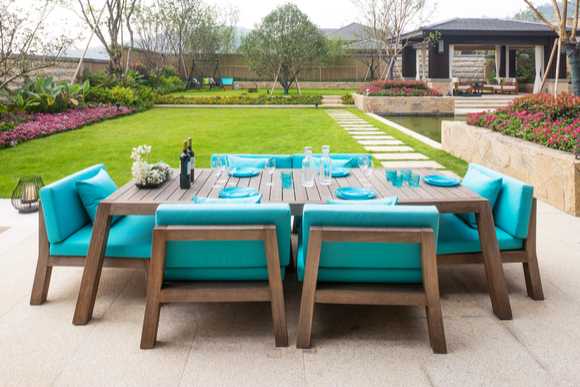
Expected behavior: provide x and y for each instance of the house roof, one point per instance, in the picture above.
(485, 26)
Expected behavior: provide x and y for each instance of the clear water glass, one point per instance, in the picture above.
(216, 164)
(271, 168)
(406, 174)
(308, 170)
(364, 165)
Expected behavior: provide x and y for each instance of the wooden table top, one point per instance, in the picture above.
(130, 200)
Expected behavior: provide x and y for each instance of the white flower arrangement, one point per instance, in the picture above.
(146, 174)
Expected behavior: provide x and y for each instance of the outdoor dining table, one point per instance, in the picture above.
(130, 200)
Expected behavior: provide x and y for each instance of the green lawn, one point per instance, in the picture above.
(277, 91)
(212, 130)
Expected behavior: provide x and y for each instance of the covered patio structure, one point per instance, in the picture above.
(429, 51)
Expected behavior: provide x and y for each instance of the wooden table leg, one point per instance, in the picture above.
(93, 267)
(493, 264)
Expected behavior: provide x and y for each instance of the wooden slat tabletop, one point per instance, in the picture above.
(130, 200)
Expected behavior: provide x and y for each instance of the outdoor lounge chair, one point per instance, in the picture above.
(227, 82)
(65, 231)
(514, 215)
(509, 86)
(218, 253)
(385, 254)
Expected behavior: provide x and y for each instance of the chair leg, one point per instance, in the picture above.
(304, 335)
(276, 290)
(531, 267)
(43, 270)
(154, 284)
(431, 286)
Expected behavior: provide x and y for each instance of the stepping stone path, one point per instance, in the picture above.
(392, 153)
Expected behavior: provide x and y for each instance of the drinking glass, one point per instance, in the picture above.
(397, 181)
(406, 174)
(364, 164)
(271, 168)
(391, 174)
(286, 180)
(414, 181)
(216, 164)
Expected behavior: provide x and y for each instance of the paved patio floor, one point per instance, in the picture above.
(232, 345)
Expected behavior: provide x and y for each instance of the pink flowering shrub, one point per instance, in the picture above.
(45, 124)
(539, 118)
(398, 89)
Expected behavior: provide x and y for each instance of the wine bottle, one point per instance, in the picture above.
(184, 171)
(191, 159)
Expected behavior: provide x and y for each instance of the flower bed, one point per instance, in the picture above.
(239, 100)
(539, 118)
(398, 89)
(45, 124)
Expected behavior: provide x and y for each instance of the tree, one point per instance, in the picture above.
(567, 36)
(152, 38)
(283, 44)
(109, 31)
(386, 21)
(24, 48)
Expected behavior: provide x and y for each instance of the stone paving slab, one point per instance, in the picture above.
(364, 130)
(368, 132)
(380, 142)
(402, 148)
(400, 156)
(412, 164)
(368, 137)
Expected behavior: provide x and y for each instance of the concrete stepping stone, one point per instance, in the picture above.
(412, 164)
(369, 137)
(401, 148)
(361, 129)
(399, 156)
(380, 142)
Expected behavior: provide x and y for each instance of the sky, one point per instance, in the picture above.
(324, 13)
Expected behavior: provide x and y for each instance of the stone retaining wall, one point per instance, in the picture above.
(303, 85)
(444, 106)
(555, 175)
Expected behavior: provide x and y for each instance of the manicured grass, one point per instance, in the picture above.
(213, 130)
(277, 91)
(450, 162)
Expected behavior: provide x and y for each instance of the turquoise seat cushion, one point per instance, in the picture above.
(257, 160)
(367, 262)
(181, 256)
(456, 237)
(388, 201)
(486, 186)
(64, 212)
(130, 237)
(339, 160)
(227, 81)
(513, 208)
(95, 189)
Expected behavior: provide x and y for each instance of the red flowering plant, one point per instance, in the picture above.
(540, 118)
(45, 124)
(398, 88)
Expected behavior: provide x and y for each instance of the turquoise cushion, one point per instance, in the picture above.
(282, 161)
(252, 199)
(513, 207)
(227, 81)
(245, 162)
(367, 262)
(455, 237)
(130, 237)
(95, 189)
(389, 201)
(350, 159)
(486, 186)
(63, 210)
(182, 256)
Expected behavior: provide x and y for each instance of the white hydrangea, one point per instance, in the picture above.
(143, 172)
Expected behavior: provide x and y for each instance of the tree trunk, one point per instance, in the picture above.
(285, 80)
(573, 53)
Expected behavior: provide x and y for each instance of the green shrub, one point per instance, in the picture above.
(100, 95)
(44, 95)
(243, 99)
(169, 84)
(347, 99)
(123, 95)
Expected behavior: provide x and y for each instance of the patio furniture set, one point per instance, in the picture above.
(197, 247)
(466, 87)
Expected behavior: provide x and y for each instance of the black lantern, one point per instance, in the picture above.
(25, 196)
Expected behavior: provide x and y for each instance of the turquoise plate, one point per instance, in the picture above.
(355, 193)
(441, 181)
(340, 172)
(245, 172)
(237, 192)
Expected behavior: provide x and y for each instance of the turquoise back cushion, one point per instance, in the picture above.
(282, 161)
(350, 160)
(224, 254)
(486, 186)
(369, 255)
(513, 206)
(63, 210)
(95, 189)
